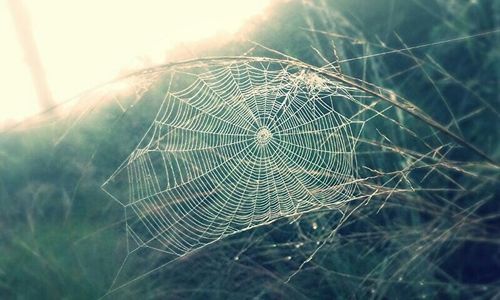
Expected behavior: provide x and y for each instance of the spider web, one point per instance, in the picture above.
(235, 146)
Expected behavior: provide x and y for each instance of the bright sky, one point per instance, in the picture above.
(84, 43)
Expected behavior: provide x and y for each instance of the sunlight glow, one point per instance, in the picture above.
(84, 43)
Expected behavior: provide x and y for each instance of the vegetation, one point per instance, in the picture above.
(430, 231)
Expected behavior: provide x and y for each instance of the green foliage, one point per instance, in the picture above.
(61, 237)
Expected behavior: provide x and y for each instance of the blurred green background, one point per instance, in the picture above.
(62, 237)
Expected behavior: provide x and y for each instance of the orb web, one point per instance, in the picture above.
(235, 146)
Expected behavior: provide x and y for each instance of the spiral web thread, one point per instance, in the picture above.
(233, 147)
